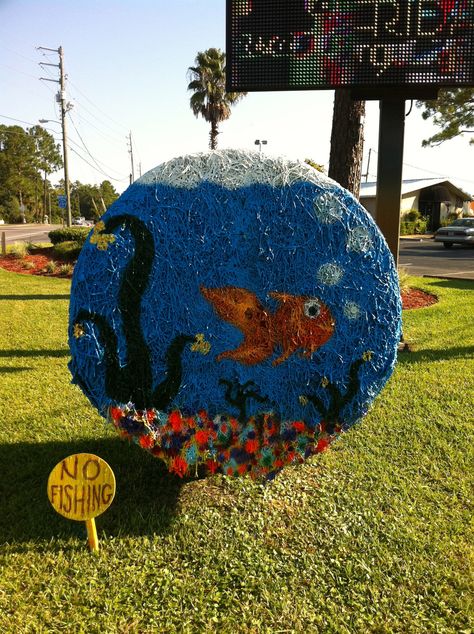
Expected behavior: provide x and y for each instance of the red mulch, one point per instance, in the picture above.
(412, 298)
(415, 298)
(16, 265)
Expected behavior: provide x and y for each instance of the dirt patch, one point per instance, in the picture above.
(416, 298)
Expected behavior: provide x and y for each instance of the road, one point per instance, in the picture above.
(27, 233)
(430, 258)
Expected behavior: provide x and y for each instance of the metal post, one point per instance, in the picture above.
(389, 171)
(63, 123)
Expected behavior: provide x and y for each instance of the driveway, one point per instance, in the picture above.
(429, 258)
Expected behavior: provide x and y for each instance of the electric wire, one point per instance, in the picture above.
(99, 164)
(120, 125)
(120, 180)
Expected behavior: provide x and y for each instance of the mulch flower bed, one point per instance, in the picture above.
(35, 265)
(411, 298)
(416, 298)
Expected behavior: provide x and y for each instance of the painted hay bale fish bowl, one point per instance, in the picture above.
(234, 312)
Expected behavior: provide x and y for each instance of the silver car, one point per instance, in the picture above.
(460, 231)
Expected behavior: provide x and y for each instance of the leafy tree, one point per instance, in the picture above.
(347, 141)
(17, 168)
(107, 193)
(26, 158)
(453, 112)
(210, 99)
(47, 156)
(91, 201)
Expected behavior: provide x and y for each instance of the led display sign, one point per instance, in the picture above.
(308, 44)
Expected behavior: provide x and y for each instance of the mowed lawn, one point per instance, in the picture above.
(374, 535)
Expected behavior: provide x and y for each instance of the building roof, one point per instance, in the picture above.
(369, 190)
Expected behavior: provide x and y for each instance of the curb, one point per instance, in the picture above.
(419, 238)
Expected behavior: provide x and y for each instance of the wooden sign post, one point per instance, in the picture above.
(81, 487)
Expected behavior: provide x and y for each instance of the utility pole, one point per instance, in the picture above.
(61, 98)
(130, 151)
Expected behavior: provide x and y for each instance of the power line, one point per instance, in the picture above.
(440, 175)
(89, 152)
(103, 134)
(119, 180)
(120, 125)
(3, 116)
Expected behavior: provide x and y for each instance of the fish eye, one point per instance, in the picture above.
(312, 308)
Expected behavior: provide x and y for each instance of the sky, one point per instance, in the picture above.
(126, 63)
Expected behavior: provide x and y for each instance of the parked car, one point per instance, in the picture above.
(82, 222)
(460, 231)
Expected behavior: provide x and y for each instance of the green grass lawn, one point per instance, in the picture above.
(374, 535)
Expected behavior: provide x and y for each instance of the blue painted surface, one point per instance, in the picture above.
(263, 239)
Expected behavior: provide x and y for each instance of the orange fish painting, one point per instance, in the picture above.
(299, 323)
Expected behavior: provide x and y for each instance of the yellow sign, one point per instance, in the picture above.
(81, 486)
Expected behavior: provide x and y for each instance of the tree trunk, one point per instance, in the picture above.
(213, 135)
(347, 141)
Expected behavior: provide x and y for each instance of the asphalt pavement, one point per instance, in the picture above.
(27, 232)
(424, 257)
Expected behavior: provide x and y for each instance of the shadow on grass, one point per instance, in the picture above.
(427, 355)
(43, 297)
(144, 503)
(8, 370)
(461, 285)
(7, 354)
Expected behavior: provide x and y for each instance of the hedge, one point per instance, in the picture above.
(412, 228)
(69, 234)
(67, 251)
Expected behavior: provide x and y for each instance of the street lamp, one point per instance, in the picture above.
(66, 170)
(260, 143)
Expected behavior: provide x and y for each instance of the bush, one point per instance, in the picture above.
(65, 269)
(411, 215)
(403, 279)
(51, 267)
(39, 248)
(67, 251)
(417, 227)
(450, 218)
(18, 250)
(69, 234)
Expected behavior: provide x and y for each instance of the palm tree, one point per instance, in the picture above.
(209, 98)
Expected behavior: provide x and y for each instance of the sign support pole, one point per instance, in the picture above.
(92, 534)
(389, 171)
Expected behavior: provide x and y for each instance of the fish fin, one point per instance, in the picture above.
(281, 297)
(247, 354)
(283, 357)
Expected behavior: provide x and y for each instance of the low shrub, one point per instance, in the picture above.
(67, 251)
(448, 221)
(51, 267)
(415, 227)
(69, 234)
(28, 265)
(65, 269)
(403, 279)
(18, 250)
(411, 215)
(38, 247)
